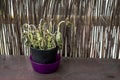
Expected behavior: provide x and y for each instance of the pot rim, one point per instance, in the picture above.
(46, 49)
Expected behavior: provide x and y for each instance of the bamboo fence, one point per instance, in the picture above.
(95, 33)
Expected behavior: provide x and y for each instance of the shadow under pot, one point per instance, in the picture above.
(44, 56)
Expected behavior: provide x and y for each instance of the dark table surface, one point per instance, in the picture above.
(19, 68)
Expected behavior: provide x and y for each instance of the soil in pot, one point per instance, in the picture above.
(44, 56)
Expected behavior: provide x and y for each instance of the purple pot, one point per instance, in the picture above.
(46, 68)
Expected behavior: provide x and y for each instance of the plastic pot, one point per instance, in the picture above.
(46, 68)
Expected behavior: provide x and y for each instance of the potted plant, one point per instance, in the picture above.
(44, 42)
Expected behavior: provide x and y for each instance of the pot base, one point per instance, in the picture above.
(46, 68)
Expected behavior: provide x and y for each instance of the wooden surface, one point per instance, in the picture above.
(19, 68)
